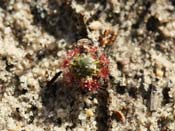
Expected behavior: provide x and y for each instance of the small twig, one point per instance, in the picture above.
(50, 83)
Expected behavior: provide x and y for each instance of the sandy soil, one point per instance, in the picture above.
(137, 35)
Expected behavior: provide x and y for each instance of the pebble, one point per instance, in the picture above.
(159, 72)
(119, 116)
(87, 101)
(95, 25)
(125, 65)
(168, 30)
(95, 101)
(89, 113)
(82, 116)
(158, 69)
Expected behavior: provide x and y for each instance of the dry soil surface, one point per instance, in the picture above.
(137, 35)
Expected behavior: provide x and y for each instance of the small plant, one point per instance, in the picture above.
(86, 67)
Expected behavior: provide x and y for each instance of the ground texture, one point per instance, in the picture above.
(137, 35)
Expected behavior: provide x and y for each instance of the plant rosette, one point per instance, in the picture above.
(86, 67)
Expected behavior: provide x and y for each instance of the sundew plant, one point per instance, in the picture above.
(86, 67)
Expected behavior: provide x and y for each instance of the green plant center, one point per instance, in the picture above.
(84, 65)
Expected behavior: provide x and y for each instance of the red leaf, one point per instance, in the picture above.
(68, 78)
(73, 52)
(104, 72)
(93, 49)
(66, 63)
(104, 60)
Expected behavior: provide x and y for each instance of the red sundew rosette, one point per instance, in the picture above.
(92, 82)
